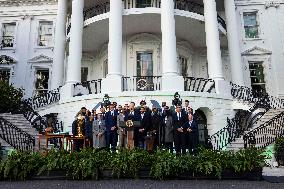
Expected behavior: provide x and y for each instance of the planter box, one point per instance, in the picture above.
(144, 173)
(52, 175)
(255, 174)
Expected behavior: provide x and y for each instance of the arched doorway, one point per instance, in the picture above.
(202, 127)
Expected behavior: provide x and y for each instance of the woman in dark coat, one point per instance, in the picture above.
(168, 130)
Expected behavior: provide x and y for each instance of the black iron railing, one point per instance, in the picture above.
(38, 122)
(7, 41)
(142, 83)
(226, 135)
(265, 134)
(187, 5)
(45, 99)
(88, 87)
(15, 136)
(98, 9)
(253, 96)
(199, 85)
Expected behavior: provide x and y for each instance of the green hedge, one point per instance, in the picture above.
(162, 164)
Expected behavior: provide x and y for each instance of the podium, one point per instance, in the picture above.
(149, 141)
(130, 125)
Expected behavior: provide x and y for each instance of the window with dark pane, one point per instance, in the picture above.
(84, 74)
(257, 76)
(8, 35)
(183, 66)
(143, 3)
(41, 84)
(251, 25)
(5, 75)
(45, 33)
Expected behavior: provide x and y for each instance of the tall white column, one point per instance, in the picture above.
(113, 82)
(171, 81)
(233, 42)
(59, 46)
(75, 45)
(212, 41)
(75, 49)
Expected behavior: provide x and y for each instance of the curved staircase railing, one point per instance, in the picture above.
(266, 133)
(38, 122)
(15, 136)
(242, 122)
(223, 137)
(199, 85)
(45, 99)
(253, 96)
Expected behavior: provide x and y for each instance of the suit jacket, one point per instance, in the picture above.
(178, 122)
(193, 126)
(110, 120)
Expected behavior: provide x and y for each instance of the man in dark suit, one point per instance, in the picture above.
(145, 125)
(156, 126)
(111, 128)
(192, 130)
(179, 130)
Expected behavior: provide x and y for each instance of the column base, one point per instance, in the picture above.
(223, 87)
(172, 83)
(67, 91)
(112, 84)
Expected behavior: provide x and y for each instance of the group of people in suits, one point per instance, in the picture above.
(173, 127)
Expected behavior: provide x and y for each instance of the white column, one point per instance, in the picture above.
(212, 41)
(171, 81)
(75, 49)
(59, 46)
(75, 45)
(113, 82)
(233, 42)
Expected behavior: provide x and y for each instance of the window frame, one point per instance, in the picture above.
(15, 33)
(37, 40)
(257, 21)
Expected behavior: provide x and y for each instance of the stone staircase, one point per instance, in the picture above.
(21, 122)
(270, 114)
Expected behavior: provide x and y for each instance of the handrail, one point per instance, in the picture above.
(228, 134)
(45, 99)
(128, 4)
(15, 136)
(251, 95)
(268, 132)
(38, 122)
(142, 83)
(88, 87)
(199, 84)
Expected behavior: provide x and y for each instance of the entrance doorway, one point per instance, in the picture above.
(144, 80)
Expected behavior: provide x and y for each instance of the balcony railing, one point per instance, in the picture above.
(199, 85)
(96, 10)
(7, 41)
(142, 83)
(185, 5)
(87, 87)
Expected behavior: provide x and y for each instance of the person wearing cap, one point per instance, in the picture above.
(179, 130)
(167, 129)
(99, 131)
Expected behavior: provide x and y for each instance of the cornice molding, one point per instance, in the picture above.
(9, 3)
(271, 3)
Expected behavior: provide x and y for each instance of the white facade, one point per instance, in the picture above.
(110, 40)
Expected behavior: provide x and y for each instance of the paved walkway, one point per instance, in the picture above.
(273, 174)
(143, 184)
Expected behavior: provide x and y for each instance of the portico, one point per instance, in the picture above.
(169, 76)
